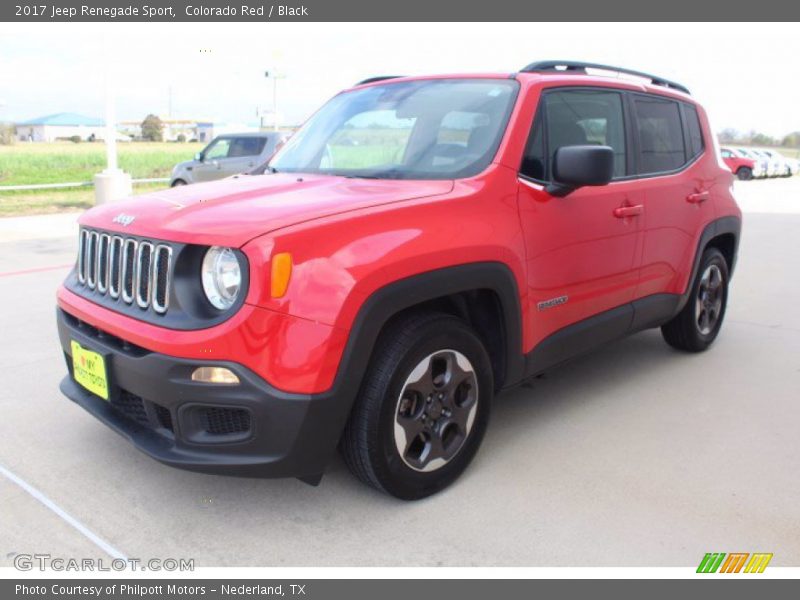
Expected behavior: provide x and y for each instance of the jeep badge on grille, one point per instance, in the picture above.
(123, 219)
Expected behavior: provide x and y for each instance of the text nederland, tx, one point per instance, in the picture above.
(147, 11)
(124, 589)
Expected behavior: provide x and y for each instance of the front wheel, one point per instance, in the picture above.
(698, 324)
(423, 407)
(744, 173)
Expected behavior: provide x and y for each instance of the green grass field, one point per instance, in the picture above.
(62, 162)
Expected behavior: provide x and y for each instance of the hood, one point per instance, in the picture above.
(231, 212)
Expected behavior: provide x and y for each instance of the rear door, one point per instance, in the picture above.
(670, 142)
(583, 252)
(243, 154)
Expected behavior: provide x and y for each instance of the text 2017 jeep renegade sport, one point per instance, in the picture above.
(419, 245)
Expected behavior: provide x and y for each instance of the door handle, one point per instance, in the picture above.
(623, 212)
(698, 197)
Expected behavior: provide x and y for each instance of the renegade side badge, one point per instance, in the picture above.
(544, 305)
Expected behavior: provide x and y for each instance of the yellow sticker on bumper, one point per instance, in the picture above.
(89, 369)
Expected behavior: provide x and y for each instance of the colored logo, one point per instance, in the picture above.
(735, 562)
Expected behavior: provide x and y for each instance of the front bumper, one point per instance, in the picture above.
(250, 429)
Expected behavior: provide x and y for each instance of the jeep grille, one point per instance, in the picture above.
(126, 269)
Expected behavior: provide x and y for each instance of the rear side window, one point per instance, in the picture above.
(247, 146)
(574, 118)
(660, 134)
(693, 130)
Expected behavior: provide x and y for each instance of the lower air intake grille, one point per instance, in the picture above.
(224, 421)
(164, 417)
(132, 406)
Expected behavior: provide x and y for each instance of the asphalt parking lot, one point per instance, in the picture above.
(636, 455)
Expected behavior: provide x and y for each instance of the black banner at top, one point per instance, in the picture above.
(395, 10)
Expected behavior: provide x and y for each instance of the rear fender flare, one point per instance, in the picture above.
(730, 224)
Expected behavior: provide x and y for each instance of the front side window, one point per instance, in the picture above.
(660, 134)
(576, 117)
(727, 154)
(434, 129)
(219, 148)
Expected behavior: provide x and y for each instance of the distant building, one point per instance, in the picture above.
(190, 129)
(207, 131)
(60, 126)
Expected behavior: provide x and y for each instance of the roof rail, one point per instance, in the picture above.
(379, 78)
(569, 65)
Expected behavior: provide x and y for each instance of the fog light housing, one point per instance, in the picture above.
(218, 375)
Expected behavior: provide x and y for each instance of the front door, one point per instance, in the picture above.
(583, 250)
(213, 157)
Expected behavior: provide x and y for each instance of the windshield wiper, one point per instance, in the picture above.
(389, 174)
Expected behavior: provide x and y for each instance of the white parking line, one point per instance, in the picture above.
(90, 535)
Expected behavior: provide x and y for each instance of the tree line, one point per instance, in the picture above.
(756, 138)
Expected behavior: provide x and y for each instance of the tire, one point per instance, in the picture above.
(177, 182)
(400, 401)
(690, 330)
(744, 173)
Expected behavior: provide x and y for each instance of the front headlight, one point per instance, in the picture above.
(222, 277)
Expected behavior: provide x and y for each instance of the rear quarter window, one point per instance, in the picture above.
(694, 132)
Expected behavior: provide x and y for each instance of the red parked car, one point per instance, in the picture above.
(744, 168)
(418, 246)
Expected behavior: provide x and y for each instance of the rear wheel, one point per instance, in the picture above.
(744, 173)
(422, 409)
(699, 322)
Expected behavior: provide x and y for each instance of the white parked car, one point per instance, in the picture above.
(760, 170)
(784, 167)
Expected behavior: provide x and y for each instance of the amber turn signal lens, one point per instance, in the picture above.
(215, 375)
(281, 272)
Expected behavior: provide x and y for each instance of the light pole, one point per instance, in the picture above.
(274, 75)
(112, 183)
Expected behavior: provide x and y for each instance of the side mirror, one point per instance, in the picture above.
(199, 157)
(578, 166)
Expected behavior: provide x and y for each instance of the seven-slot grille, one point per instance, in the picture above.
(125, 268)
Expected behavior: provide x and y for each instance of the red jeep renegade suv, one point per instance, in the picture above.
(418, 246)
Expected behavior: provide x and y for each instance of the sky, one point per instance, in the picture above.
(744, 74)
